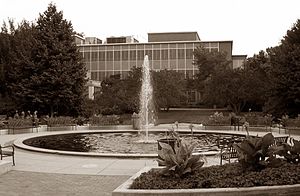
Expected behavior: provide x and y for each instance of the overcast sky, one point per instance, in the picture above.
(253, 25)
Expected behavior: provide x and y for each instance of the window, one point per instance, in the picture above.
(94, 75)
(156, 55)
(181, 54)
(149, 53)
(101, 75)
(101, 56)
(125, 55)
(140, 54)
(87, 57)
(173, 53)
(109, 55)
(189, 53)
(132, 55)
(117, 55)
(164, 54)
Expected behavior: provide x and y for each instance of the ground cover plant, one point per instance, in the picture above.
(262, 162)
(225, 176)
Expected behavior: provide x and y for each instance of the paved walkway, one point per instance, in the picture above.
(50, 174)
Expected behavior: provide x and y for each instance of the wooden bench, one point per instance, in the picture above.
(8, 151)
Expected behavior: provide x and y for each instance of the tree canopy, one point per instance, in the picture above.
(285, 74)
(44, 70)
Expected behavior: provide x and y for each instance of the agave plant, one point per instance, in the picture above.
(253, 150)
(290, 152)
(179, 161)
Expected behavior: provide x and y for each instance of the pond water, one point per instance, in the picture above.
(122, 142)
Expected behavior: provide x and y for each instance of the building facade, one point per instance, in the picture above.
(172, 51)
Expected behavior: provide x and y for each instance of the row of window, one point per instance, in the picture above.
(101, 75)
(127, 65)
(150, 46)
(138, 55)
(133, 55)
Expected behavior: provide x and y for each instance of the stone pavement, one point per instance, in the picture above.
(51, 174)
(21, 183)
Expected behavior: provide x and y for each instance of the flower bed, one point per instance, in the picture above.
(225, 176)
(149, 175)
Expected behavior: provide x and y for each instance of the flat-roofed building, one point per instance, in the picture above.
(172, 51)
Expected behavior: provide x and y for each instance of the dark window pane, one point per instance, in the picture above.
(140, 54)
(156, 55)
(125, 55)
(164, 54)
(101, 56)
(117, 55)
(109, 55)
(133, 55)
(173, 54)
(181, 54)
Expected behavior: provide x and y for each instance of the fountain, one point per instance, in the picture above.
(147, 108)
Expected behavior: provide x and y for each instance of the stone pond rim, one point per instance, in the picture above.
(19, 143)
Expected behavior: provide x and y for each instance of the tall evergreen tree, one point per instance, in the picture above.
(285, 73)
(58, 75)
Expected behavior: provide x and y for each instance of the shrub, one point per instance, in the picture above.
(105, 120)
(17, 122)
(180, 161)
(218, 119)
(253, 150)
(60, 121)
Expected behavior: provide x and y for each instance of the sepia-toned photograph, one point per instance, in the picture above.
(139, 97)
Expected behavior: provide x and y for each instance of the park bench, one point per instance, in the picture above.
(229, 153)
(8, 151)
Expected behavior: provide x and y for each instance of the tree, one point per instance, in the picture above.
(120, 95)
(285, 84)
(257, 68)
(57, 77)
(169, 88)
(16, 59)
(208, 62)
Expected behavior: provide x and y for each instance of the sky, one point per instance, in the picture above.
(252, 25)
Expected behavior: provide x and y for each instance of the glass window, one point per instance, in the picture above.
(132, 55)
(94, 56)
(101, 75)
(140, 54)
(149, 53)
(87, 56)
(117, 55)
(109, 55)
(125, 55)
(102, 65)
(94, 75)
(189, 53)
(181, 54)
(101, 56)
(173, 53)
(156, 54)
(164, 54)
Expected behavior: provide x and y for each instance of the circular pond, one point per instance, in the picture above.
(123, 142)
